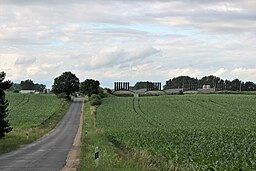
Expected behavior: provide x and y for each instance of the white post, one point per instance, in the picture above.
(97, 156)
(27, 135)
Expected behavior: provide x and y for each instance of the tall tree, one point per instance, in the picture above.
(40, 87)
(89, 87)
(4, 123)
(249, 86)
(67, 83)
(236, 85)
(15, 86)
(140, 85)
(180, 82)
(27, 85)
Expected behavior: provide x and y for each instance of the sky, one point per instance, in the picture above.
(127, 40)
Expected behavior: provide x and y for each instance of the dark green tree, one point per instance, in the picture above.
(236, 85)
(180, 82)
(67, 83)
(40, 87)
(139, 85)
(89, 87)
(210, 80)
(27, 85)
(4, 124)
(15, 87)
(249, 86)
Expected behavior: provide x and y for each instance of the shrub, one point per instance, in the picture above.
(62, 96)
(180, 92)
(101, 93)
(95, 96)
(95, 99)
(15, 91)
(96, 102)
(109, 91)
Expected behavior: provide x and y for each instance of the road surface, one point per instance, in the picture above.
(50, 152)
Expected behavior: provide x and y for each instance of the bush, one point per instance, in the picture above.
(95, 96)
(109, 91)
(180, 92)
(62, 96)
(96, 102)
(101, 93)
(16, 91)
(95, 99)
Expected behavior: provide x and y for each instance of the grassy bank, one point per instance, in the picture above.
(110, 157)
(39, 122)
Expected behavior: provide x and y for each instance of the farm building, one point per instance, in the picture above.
(27, 91)
(206, 87)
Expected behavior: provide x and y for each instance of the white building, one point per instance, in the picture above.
(27, 91)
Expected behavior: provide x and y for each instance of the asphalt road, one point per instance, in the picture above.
(50, 152)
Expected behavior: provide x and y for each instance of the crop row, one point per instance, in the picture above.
(28, 110)
(196, 131)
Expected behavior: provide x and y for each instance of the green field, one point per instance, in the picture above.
(198, 132)
(27, 110)
(34, 114)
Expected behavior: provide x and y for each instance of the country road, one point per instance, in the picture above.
(48, 153)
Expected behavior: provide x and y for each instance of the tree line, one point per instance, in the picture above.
(212, 81)
(69, 84)
(190, 83)
(27, 85)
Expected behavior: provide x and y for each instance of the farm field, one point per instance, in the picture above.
(28, 110)
(198, 132)
(33, 114)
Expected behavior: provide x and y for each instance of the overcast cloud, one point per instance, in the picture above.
(127, 40)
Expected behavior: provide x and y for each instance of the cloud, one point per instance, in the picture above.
(244, 73)
(193, 72)
(118, 55)
(130, 40)
(219, 72)
(25, 60)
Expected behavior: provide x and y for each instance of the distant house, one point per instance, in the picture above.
(27, 91)
(206, 87)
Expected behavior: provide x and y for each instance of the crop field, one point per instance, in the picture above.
(198, 132)
(34, 114)
(28, 110)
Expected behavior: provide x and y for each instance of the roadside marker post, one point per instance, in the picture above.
(27, 135)
(97, 156)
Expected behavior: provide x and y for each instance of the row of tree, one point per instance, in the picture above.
(68, 83)
(212, 81)
(146, 85)
(27, 85)
(190, 83)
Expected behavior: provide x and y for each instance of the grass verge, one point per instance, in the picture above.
(17, 137)
(110, 157)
